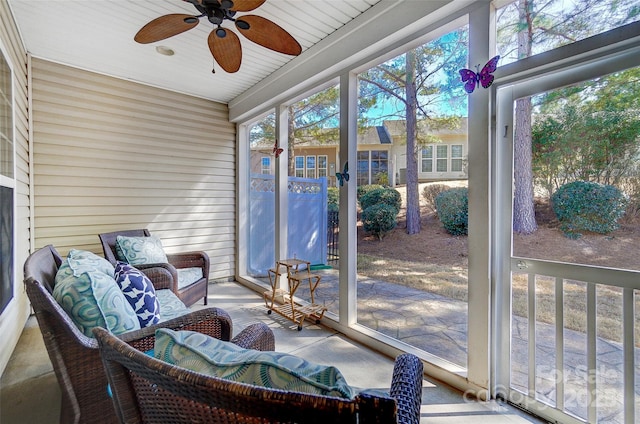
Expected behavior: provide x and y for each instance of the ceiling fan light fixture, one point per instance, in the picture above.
(221, 32)
(242, 24)
(165, 51)
(191, 20)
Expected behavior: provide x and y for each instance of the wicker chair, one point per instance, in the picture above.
(75, 357)
(189, 294)
(147, 390)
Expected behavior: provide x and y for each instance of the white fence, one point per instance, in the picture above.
(307, 221)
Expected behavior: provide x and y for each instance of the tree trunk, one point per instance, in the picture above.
(291, 159)
(413, 196)
(524, 219)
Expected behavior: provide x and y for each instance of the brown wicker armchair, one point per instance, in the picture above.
(75, 357)
(188, 294)
(147, 390)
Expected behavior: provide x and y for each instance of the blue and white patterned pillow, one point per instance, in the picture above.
(140, 250)
(207, 355)
(139, 292)
(91, 296)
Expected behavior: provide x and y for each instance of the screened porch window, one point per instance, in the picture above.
(7, 183)
(299, 162)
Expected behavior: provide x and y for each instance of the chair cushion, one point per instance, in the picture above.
(139, 292)
(140, 250)
(207, 355)
(188, 276)
(91, 296)
(170, 305)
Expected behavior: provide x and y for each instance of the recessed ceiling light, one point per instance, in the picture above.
(167, 51)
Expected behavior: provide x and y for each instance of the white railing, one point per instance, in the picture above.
(588, 376)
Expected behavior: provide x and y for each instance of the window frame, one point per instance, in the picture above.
(8, 179)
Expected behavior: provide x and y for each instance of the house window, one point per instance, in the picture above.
(311, 166)
(7, 183)
(322, 166)
(373, 167)
(427, 159)
(442, 158)
(456, 158)
(299, 161)
(379, 166)
(265, 165)
(447, 158)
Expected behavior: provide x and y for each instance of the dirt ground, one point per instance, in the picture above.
(434, 245)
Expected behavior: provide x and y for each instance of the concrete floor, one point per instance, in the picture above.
(29, 392)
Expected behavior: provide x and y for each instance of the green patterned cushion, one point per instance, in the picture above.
(188, 276)
(90, 295)
(170, 305)
(140, 250)
(207, 355)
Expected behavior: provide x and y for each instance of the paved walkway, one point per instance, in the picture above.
(438, 325)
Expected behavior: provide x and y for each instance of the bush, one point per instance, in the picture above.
(383, 195)
(452, 206)
(430, 192)
(333, 199)
(364, 189)
(588, 206)
(379, 219)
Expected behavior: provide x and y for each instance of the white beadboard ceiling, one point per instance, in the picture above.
(97, 35)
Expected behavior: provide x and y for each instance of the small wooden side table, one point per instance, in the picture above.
(297, 271)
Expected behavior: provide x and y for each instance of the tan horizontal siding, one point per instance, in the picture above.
(111, 154)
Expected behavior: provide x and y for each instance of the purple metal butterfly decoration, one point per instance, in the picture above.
(277, 150)
(482, 77)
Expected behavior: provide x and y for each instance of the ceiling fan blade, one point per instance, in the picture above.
(164, 27)
(246, 5)
(268, 34)
(226, 50)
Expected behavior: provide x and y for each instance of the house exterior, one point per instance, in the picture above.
(381, 157)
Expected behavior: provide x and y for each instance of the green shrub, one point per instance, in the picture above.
(429, 192)
(383, 195)
(588, 206)
(379, 219)
(364, 189)
(453, 210)
(382, 178)
(333, 199)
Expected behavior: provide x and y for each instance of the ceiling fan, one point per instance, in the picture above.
(224, 44)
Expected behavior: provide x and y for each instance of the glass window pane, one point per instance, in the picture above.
(554, 23)
(311, 162)
(585, 173)
(440, 98)
(6, 119)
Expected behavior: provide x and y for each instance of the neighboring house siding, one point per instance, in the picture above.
(17, 311)
(112, 154)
